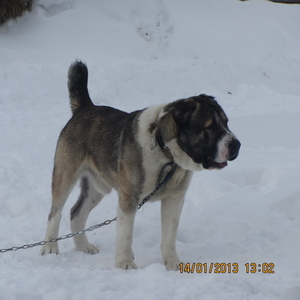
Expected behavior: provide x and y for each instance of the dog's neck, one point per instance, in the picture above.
(162, 145)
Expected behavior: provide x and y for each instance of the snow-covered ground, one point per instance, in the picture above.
(140, 53)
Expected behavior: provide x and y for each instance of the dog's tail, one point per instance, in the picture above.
(77, 84)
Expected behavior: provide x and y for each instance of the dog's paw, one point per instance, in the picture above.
(49, 248)
(87, 248)
(125, 265)
(172, 264)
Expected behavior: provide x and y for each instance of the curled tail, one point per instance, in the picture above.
(77, 85)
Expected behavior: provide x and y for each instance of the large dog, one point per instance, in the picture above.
(107, 148)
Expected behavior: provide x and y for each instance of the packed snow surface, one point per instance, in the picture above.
(141, 53)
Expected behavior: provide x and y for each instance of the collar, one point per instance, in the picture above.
(166, 150)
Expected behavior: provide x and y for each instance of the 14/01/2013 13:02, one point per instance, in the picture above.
(221, 268)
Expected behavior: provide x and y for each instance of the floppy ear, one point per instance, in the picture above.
(183, 110)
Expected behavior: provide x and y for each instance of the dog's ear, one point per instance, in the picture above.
(183, 110)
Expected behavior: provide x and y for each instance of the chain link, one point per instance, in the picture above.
(161, 181)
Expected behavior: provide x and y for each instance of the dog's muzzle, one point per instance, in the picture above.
(233, 148)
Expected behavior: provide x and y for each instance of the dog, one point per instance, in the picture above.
(111, 149)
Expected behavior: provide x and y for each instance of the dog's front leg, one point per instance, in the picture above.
(124, 253)
(171, 208)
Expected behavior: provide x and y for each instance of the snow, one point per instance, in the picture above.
(141, 53)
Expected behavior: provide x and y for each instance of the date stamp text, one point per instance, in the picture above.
(222, 268)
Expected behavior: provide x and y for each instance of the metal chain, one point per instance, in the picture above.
(160, 182)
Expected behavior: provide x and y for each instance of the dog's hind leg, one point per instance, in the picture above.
(64, 178)
(89, 198)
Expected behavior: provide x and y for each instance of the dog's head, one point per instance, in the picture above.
(197, 134)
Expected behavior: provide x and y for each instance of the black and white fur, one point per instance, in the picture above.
(110, 149)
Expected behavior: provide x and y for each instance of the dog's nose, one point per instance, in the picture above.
(234, 148)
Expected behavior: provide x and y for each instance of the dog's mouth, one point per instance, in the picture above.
(210, 164)
(222, 165)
